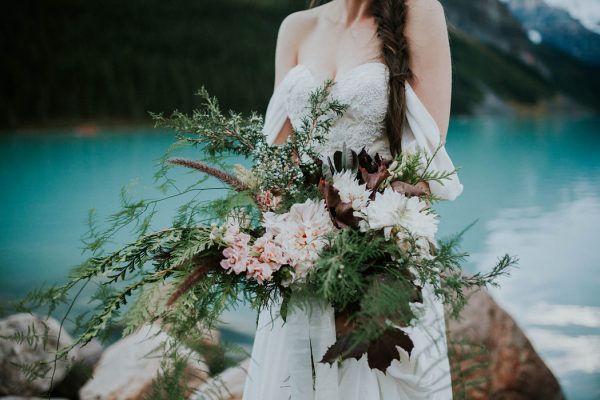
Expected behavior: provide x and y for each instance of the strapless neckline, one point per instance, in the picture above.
(365, 89)
(340, 75)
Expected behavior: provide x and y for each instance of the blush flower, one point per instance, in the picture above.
(268, 201)
(234, 223)
(293, 238)
(259, 270)
(302, 233)
(271, 252)
(235, 260)
(236, 253)
(273, 223)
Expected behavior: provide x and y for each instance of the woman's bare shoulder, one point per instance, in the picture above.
(425, 15)
(293, 30)
(296, 24)
(425, 5)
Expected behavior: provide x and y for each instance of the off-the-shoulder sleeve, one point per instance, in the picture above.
(276, 114)
(423, 132)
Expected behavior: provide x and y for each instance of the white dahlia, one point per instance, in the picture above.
(391, 210)
(350, 190)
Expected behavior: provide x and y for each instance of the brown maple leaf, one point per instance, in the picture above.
(342, 214)
(381, 351)
(374, 179)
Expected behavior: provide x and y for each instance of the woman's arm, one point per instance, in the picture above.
(286, 57)
(427, 36)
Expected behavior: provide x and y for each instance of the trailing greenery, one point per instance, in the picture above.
(355, 271)
(140, 268)
(182, 277)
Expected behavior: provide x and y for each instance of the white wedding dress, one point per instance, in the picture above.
(281, 366)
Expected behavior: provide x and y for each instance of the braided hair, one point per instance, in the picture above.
(390, 16)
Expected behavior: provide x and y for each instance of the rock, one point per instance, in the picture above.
(31, 351)
(228, 385)
(81, 371)
(491, 358)
(128, 368)
(89, 355)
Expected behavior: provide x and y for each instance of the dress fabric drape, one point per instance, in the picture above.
(281, 365)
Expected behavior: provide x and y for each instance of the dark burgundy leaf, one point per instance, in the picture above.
(330, 194)
(341, 213)
(373, 180)
(380, 352)
(366, 161)
(342, 349)
(331, 166)
(383, 351)
(344, 215)
(337, 160)
(354, 159)
(381, 161)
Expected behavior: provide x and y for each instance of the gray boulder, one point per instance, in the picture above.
(128, 369)
(27, 339)
(81, 370)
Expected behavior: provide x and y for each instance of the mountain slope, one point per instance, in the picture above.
(494, 59)
(557, 27)
(489, 21)
(482, 71)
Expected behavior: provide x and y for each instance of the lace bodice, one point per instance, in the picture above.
(364, 88)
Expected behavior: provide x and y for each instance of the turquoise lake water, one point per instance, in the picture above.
(533, 185)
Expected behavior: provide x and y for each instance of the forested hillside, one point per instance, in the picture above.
(69, 61)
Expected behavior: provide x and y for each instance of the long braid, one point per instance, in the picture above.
(390, 16)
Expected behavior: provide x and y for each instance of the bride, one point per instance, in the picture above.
(390, 61)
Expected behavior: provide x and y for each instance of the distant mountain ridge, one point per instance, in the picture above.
(558, 28)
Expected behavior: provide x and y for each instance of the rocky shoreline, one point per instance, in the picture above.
(487, 349)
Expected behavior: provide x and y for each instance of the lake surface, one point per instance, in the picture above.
(533, 185)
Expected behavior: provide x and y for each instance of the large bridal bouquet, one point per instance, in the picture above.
(353, 230)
